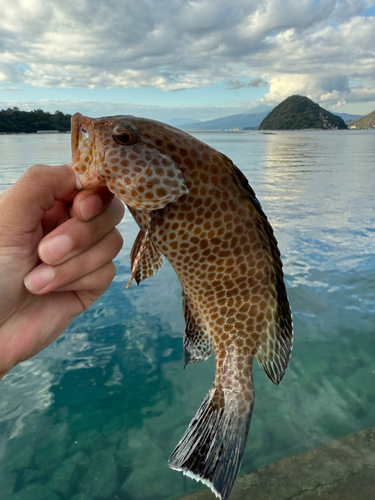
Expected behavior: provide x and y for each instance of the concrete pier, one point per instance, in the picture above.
(343, 469)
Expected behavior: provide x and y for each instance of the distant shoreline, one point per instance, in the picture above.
(35, 133)
(239, 131)
(282, 130)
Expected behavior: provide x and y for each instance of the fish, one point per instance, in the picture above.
(196, 209)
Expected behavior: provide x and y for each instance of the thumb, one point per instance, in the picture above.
(26, 202)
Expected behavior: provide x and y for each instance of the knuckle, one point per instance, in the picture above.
(118, 208)
(110, 273)
(102, 278)
(118, 239)
(111, 270)
(114, 243)
(36, 173)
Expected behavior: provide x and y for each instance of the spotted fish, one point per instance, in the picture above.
(195, 208)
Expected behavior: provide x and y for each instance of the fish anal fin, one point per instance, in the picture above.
(145, 258)
(197, 343)
(273, 354)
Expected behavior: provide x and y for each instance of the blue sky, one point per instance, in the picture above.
(198, 59)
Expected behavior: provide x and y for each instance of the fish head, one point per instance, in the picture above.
(118, 152)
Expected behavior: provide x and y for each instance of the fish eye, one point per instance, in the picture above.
(126, 138)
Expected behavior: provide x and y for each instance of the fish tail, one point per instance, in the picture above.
(212, 447)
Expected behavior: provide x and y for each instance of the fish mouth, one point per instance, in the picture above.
(83, 137)
(81, 129)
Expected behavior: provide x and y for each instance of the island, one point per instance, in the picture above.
(15, 121)
(367, 121)
(300, 113)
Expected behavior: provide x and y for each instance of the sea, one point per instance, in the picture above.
(96, 415)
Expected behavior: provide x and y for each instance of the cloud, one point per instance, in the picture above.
(9, 72)
(322, 64)
(254, 82)
(322, 89)
(299, 46)
(9, 89)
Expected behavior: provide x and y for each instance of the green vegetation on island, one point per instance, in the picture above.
(13, 120)
(297, 113)
(367, 121)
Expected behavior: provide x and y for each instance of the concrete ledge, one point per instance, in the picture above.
(341, 470)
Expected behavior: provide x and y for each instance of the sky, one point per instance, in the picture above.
(202, 59)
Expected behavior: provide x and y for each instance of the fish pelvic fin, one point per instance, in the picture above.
(212, 447)
(145, 258)
(197, 342)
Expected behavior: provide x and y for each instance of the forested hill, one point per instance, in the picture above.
(367, 121)
(299, 112)
(12, 120)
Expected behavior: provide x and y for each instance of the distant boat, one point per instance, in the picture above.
(47, 132)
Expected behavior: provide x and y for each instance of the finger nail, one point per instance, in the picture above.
(54, 249)
(39, 278)
(90, 207)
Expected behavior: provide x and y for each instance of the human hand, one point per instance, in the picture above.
(56, 252)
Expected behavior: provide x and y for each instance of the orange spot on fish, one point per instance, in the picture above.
(161, 192)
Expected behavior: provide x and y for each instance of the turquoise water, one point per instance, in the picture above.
(96, 415)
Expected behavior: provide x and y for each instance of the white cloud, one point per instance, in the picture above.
(322, 64)
(9, 89)
(253, 83)
(307, 47)
(322, 89)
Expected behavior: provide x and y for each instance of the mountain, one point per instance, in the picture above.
(299, 112)
(347, 117)
(178, 122)
(251, 120)
(261, 108)
(367, 121)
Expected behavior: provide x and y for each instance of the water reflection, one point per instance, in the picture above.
(320, 193)
(21, 151)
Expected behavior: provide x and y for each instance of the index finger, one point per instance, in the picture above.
(26, 202)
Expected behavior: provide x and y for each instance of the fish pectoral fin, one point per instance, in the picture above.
(197, 343)
(145, 258)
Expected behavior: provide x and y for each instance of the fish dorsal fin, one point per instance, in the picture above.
(197, 343)
(145, 258)
(243, 184)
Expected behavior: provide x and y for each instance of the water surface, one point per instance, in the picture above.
(96, 415)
